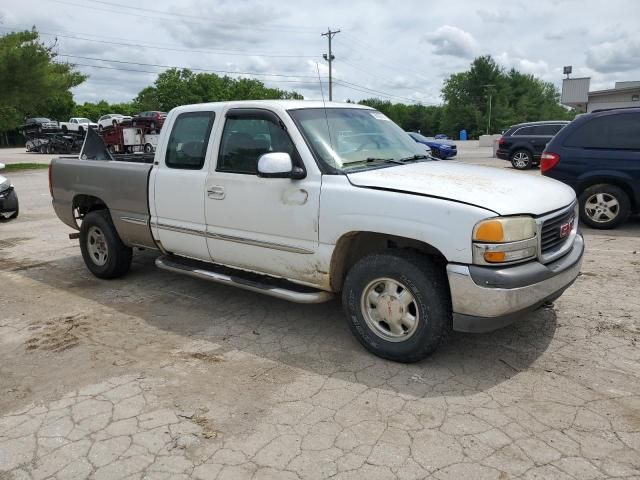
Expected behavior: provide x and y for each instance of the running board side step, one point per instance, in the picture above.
(273, 287)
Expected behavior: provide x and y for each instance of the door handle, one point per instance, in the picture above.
(215, 193)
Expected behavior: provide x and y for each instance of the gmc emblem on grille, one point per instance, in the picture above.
(565, 229)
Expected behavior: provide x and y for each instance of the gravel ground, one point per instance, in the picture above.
(161, 376)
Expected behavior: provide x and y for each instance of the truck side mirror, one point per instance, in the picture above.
(279, 165)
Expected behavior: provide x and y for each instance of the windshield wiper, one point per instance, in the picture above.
(413, 158)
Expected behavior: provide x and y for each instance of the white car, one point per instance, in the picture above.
(77, 124)
(111, 120)
(303, 200)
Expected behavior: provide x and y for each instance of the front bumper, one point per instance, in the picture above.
(8, 201)
(502, 155)
(486, 298)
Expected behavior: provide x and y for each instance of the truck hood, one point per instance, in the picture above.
(504, 192)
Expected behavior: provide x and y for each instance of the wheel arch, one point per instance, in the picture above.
(84, 204)
(619, 181)
(353, 246)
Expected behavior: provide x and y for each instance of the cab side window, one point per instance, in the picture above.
(245, 140)
(188, 141)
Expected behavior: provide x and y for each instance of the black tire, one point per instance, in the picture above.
(43, 148)
(100, 128)
(425, 281)
(118, 256)
(594, 211)
(80, 130)
(148, 148)
(435, 153)
(521, 159)
(64, 129)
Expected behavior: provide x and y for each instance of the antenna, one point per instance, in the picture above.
(324, 106)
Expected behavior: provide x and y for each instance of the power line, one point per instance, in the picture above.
(156, 72)
(392, 66)
(196, 17)
(172, 20)
(231, 72)
(141, 45)
(364, 89)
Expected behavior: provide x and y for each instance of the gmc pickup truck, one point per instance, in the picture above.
(302, 200)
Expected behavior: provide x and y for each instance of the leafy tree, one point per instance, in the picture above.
(176, 87)
(32, 82)
(515, 97)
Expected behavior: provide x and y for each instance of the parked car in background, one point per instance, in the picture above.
(8, 198)
(522, 144)
(37, 125)
(439, 148)
(153, 120)
(441, 136)
(77, 124)
(598, 155)
(111, 120)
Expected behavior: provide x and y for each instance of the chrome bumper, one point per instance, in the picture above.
(485, 298)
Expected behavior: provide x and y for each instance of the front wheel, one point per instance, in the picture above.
(397, 305)
(102, 249)
(604, 206)
(521, 159)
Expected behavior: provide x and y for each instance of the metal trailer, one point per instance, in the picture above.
(55, 142)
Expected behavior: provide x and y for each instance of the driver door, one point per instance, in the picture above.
(261, 224)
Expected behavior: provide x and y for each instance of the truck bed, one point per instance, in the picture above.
(121, 184)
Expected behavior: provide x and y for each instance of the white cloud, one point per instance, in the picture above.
(449, 40)
(620, 55)
(539, 68)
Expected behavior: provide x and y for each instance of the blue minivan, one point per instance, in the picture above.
(598, 155)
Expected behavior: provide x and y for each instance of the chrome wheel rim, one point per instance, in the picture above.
(97, 246)
(602, 207)
(390, 310)
(521, 160)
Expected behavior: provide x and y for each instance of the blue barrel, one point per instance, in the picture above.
(463, 134)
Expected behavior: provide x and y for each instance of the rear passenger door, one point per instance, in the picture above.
(178, 183)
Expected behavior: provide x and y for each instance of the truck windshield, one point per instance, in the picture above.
(347, 139)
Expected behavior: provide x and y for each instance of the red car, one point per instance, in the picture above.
(152, 120)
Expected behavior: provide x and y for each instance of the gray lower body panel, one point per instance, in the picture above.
(485, 298)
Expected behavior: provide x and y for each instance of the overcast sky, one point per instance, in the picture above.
(404, 49)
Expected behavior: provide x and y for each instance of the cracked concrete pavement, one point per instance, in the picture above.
(161, 376)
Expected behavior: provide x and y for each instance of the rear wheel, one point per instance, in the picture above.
(521, 159)
(604, 206)
(148, 148)
(397, 305)
(80, 130)
(102, 249)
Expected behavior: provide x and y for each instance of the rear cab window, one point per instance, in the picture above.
(187, 146)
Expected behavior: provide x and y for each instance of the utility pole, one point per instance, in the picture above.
(489, 89)
(330, 34)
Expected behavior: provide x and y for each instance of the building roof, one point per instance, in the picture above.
(609, 91)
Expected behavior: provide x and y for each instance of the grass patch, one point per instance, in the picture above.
(12, 167)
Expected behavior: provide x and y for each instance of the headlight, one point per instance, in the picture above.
(505, 240)
(4, 184)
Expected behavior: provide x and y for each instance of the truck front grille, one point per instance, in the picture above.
(556, 232)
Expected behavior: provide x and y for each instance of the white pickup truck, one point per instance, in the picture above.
(78, 125)
(301, 200)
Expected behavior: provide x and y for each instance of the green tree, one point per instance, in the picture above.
(32, 82)
(176, 87)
